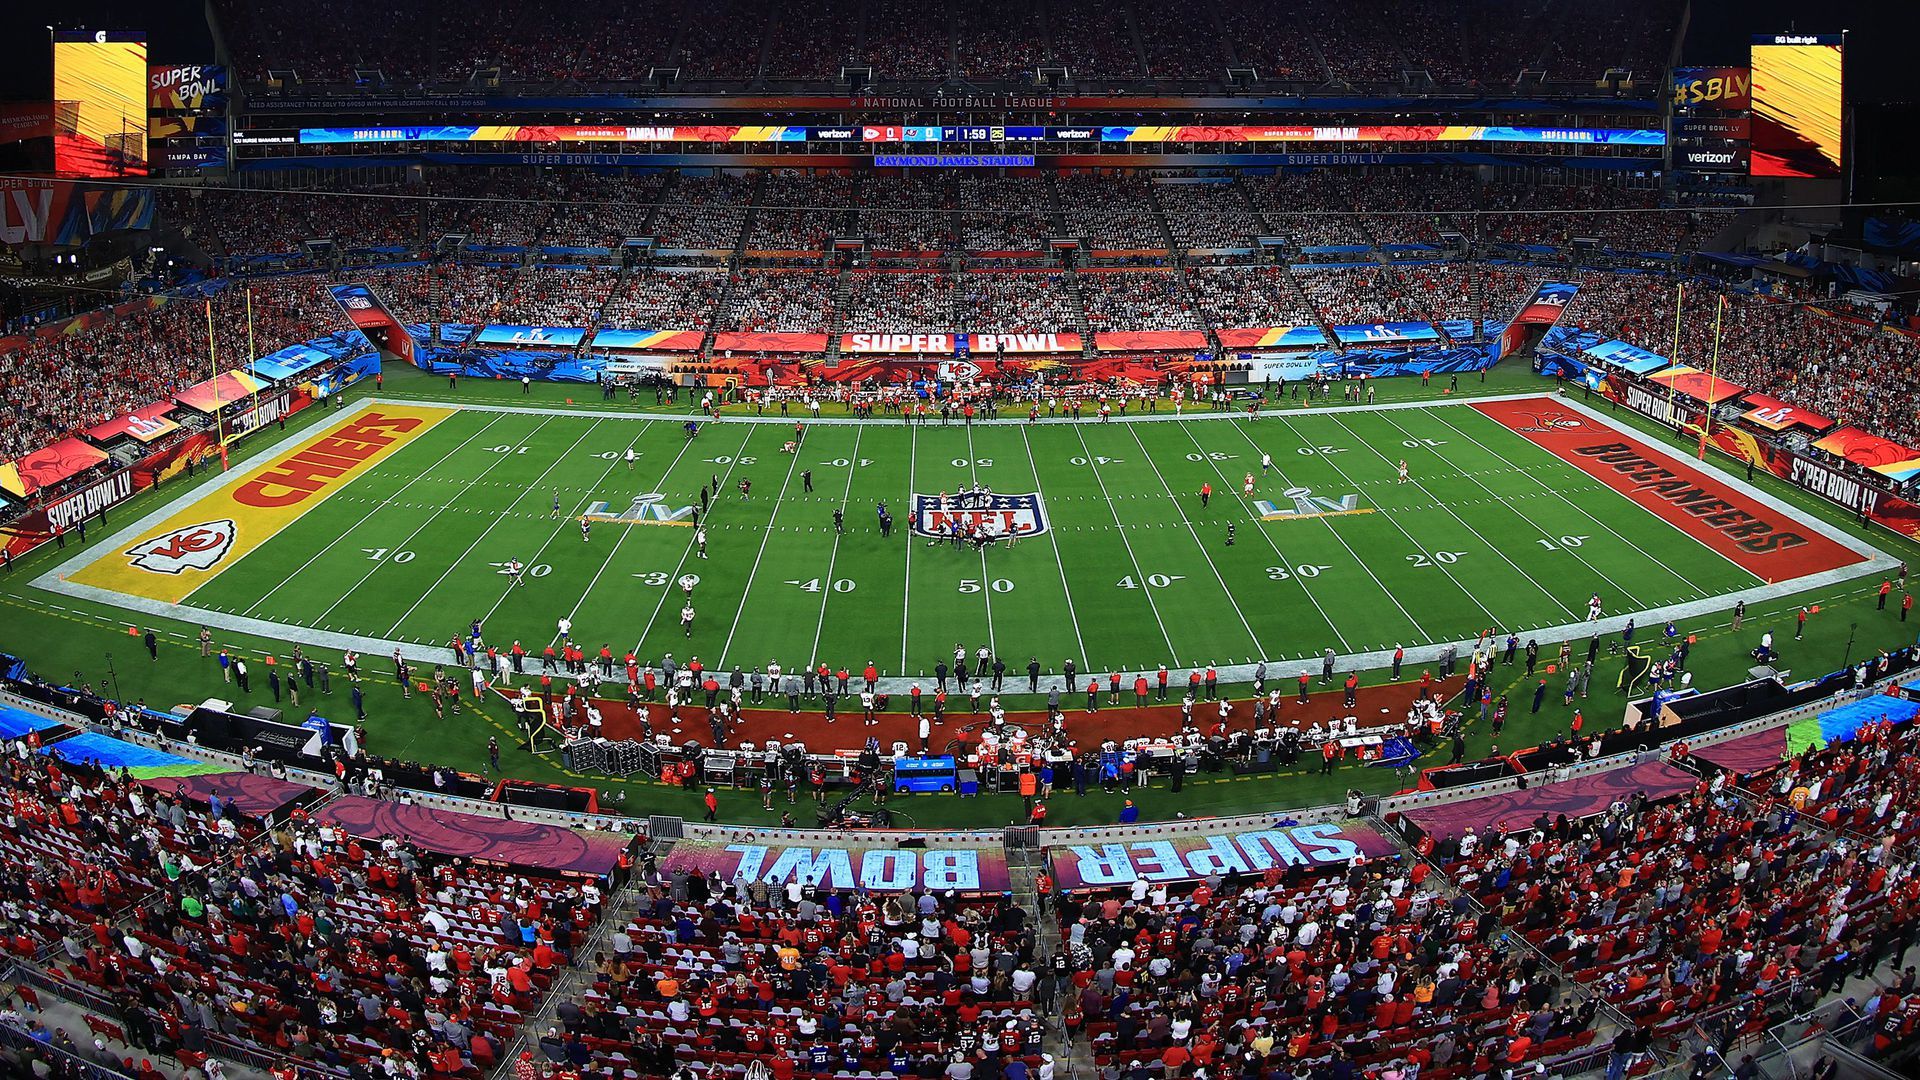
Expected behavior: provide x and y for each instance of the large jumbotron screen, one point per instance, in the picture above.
(1796, 106)
(100, 102)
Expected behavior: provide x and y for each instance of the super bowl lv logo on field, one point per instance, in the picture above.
(1305, 504)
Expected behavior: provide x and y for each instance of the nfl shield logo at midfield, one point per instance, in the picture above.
(999, 516)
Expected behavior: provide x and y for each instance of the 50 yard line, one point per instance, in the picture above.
(986, 576)
(853, 463)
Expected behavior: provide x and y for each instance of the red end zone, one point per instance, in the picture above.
(1759, 538)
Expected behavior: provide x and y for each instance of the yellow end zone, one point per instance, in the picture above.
(167, 561)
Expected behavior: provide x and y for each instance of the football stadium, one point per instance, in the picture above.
(1014, 540)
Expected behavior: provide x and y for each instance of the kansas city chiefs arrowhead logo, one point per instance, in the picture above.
(190, 547)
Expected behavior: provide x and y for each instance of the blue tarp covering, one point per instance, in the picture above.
(1838, 725)
(111, 753)
(17, 722)
(1626, 357)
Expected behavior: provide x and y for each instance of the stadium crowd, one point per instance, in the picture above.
(1121, 300)
(791, 211)
(879, 300)
(1253, 296)
(780, 302)
(663, 299)
(737, 41)
(1017, 302)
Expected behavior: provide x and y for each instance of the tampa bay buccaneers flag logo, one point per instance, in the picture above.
(1551, 421)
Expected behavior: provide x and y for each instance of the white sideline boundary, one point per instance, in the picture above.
(1874, 561)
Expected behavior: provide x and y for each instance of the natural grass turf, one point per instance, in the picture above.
(1133, 572)
(63, 636)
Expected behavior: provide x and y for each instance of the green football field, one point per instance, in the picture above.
(1131, 570)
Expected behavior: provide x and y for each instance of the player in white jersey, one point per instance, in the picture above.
(516, 571)
(1403, 471)
(631, 456)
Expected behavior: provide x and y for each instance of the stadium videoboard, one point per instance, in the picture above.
(1796, 105)
(100, 102)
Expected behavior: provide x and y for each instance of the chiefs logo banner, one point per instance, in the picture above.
(190, 547)
(206, 534)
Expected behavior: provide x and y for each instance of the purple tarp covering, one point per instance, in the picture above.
(1575, 798)
(256, 796)
(1748, 753)
(510, 843)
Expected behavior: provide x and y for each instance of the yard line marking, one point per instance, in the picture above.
(1422, 488)
(1496, 497)
(1197, 542)
(1285, 562)
(832, 555)
(558, 458)
(740, 609)
(688, 550)
(1328, 522)
(482, 430)
(1603, 487)
(1034, 467)
(1173, 657)
(1393, 519)
(986, 576)
(906, 589)
(428, 520)
(617, 539)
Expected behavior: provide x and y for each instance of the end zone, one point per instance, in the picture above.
(1758, 534)
(166, 560)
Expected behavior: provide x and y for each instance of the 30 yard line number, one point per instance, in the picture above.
(659, 578)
